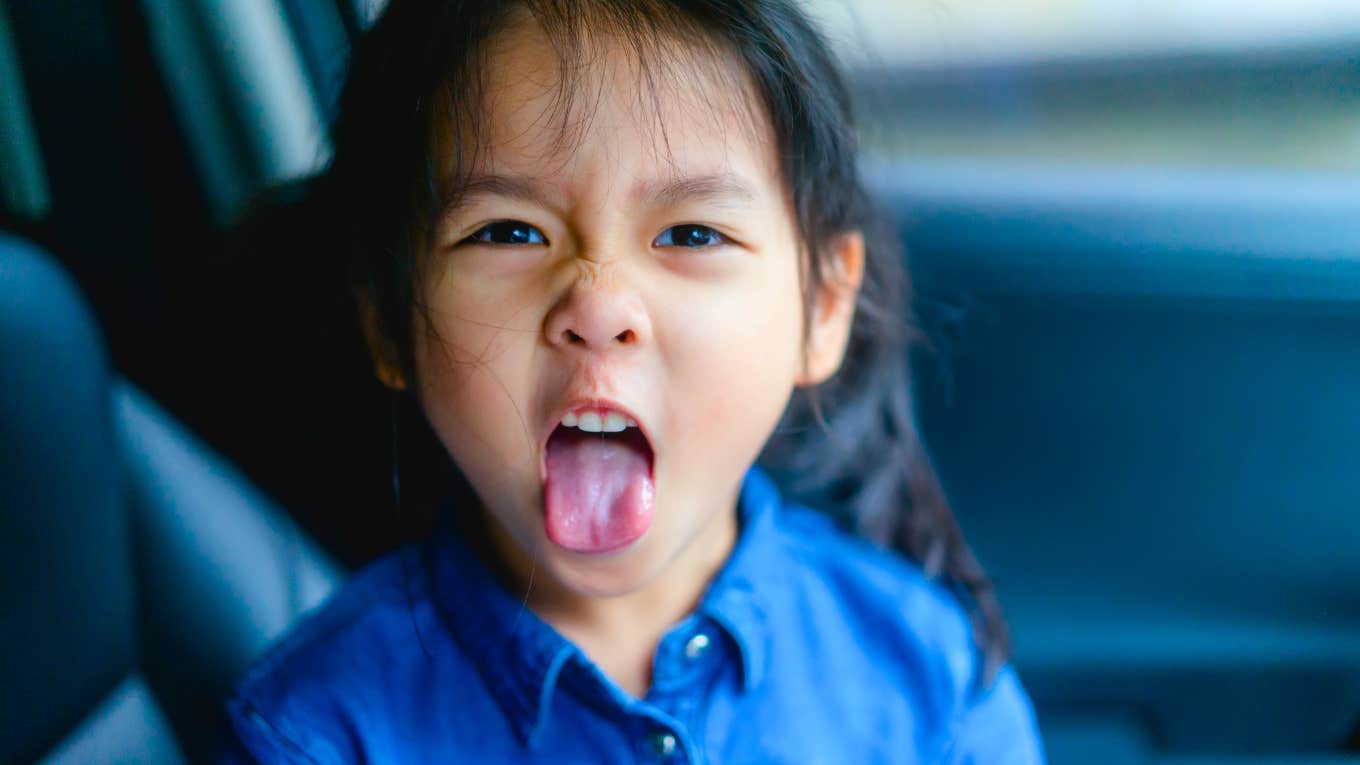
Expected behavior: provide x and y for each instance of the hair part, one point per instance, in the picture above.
(410, 135)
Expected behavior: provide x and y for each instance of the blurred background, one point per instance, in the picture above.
(1134, 232)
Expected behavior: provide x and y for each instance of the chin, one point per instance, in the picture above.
(602, 575)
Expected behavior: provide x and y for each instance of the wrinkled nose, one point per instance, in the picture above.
(591, 318)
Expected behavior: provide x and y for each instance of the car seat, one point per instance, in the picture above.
(141, 573)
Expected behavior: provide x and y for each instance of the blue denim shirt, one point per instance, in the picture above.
(808, 647)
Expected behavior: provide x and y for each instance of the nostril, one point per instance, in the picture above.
(571, 337)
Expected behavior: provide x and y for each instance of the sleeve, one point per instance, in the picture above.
(997, 727)
(252, 740)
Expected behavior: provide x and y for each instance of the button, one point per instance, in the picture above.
(696, 646)
(663, 743)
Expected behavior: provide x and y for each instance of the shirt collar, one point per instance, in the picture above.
(733, 600)
(521, 657)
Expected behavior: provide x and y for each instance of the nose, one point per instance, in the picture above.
(595, 318)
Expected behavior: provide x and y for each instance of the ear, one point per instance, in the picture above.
(380, 349)
(833, 310)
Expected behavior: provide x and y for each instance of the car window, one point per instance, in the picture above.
(1210, 83)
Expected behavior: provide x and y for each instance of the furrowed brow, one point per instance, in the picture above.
(520, 187)
(511, 186)
(721, 188)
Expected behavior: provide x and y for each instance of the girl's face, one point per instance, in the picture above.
(646, 266)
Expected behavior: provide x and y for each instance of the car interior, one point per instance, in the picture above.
(1137, 276)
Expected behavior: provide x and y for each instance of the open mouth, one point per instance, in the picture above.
(598, 492)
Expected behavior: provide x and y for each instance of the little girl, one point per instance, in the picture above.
(618, 251)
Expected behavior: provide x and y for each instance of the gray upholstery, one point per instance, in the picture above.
(220, 571)
(140, 573)
(67, 601)
(127, 726)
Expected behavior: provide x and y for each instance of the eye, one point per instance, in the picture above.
(509, 232)
(690, 235)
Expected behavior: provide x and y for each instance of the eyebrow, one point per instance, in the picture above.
(718, 188)
(715, 188)
(512, 186)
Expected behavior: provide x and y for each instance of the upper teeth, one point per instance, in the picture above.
(592, 422)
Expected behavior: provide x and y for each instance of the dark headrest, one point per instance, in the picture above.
(65, 556)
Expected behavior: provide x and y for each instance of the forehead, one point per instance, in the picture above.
(603, 106)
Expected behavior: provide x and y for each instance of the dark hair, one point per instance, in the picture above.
(849, 447)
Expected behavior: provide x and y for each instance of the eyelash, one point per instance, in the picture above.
(713, 234)
(526, 235)
(509, 228)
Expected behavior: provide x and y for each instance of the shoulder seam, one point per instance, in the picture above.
(353, 601)
(272, 731)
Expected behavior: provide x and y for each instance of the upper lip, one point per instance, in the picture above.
(578, 405)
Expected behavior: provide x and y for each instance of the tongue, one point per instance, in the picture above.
(598, 496)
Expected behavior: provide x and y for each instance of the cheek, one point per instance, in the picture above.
(732, 359)
(472, 359)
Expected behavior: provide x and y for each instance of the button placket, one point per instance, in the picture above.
(682, 656)
(662, 739)
(684, 659)
(664, 745)
(697, 646)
